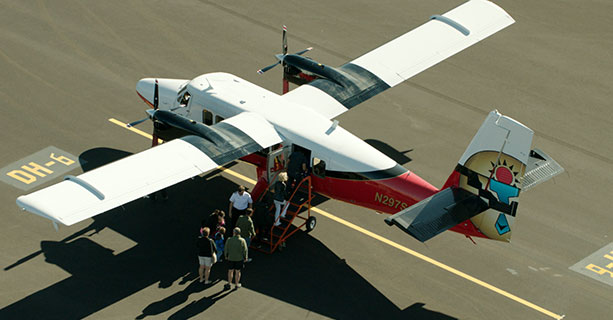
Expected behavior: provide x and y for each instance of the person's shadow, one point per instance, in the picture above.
(196, 307)
(180, 297)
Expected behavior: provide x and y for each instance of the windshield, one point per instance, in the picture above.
(183, 98)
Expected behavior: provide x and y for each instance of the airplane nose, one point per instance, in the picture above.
(145, 89)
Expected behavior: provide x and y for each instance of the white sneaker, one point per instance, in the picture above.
(277, 224)
(283, 216)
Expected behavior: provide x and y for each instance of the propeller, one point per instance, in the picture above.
(281, 56)
(137, 122)
(149, 112)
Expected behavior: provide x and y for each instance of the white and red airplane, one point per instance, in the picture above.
(219, 117)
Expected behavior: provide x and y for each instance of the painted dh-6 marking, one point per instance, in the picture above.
(598, 265)
(38, 168)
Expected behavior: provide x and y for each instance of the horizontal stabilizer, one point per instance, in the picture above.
(541, 167)
(438, 213)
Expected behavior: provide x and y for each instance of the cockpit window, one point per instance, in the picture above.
(183, 99)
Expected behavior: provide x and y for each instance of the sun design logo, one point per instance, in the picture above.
(504, 173)
(503, 184)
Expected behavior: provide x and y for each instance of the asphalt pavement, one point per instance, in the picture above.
(67, 67)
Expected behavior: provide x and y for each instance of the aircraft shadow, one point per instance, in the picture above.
(306, 274)
(97, 157)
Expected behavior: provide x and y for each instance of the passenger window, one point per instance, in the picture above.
(218, 119)
(319, 167)
(207, 117)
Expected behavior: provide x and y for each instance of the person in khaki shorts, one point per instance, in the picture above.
(206, 250)
(236, 254)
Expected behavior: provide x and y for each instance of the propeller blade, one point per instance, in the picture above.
(304, 51)
(155, 96)
(132, 124)
(284, 49)
(261, 71)
(150, 115)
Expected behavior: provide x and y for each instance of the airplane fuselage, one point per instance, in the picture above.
(354, 171)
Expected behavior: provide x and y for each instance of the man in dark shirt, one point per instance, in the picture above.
(294, 166)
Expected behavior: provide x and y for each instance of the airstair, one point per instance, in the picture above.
(299, 210)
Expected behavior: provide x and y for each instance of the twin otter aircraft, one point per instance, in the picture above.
(219, 117)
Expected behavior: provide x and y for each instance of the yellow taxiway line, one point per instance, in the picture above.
(389, 242)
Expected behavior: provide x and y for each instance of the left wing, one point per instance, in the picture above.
(78, 198)
(402, 58)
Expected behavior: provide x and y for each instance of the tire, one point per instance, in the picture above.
(311, 223)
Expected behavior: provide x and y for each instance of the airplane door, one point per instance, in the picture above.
(277, 159)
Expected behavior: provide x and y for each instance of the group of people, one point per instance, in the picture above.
(211, 243)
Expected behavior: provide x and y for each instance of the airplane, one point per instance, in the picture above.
(218, 117)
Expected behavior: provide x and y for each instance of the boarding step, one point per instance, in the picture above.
(297, 205)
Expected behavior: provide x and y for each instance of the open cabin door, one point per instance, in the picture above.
(276, 162)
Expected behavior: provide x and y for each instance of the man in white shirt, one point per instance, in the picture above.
(239, 202)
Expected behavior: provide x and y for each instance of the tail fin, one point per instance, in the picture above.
(493, 167)
(484, 186)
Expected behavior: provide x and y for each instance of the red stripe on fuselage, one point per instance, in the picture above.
(385, 195)
(146, 101)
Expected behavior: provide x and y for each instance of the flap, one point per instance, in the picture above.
(114, 184)
(402, 58)
(78, 198)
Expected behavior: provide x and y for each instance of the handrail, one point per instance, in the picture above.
(284, 236)
(269, 184)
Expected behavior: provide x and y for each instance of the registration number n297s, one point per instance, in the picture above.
(390, 202)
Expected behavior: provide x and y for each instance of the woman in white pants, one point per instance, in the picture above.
(280, 190)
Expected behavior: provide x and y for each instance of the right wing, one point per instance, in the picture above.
(402, 58)
(78, 198)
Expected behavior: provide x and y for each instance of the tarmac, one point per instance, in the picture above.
(67, 67)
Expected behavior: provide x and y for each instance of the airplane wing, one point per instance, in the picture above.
(400, 59)
(78, 198)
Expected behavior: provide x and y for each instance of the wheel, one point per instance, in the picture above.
(310, 224)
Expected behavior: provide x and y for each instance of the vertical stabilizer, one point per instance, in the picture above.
(493, 167)
(483, 188)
